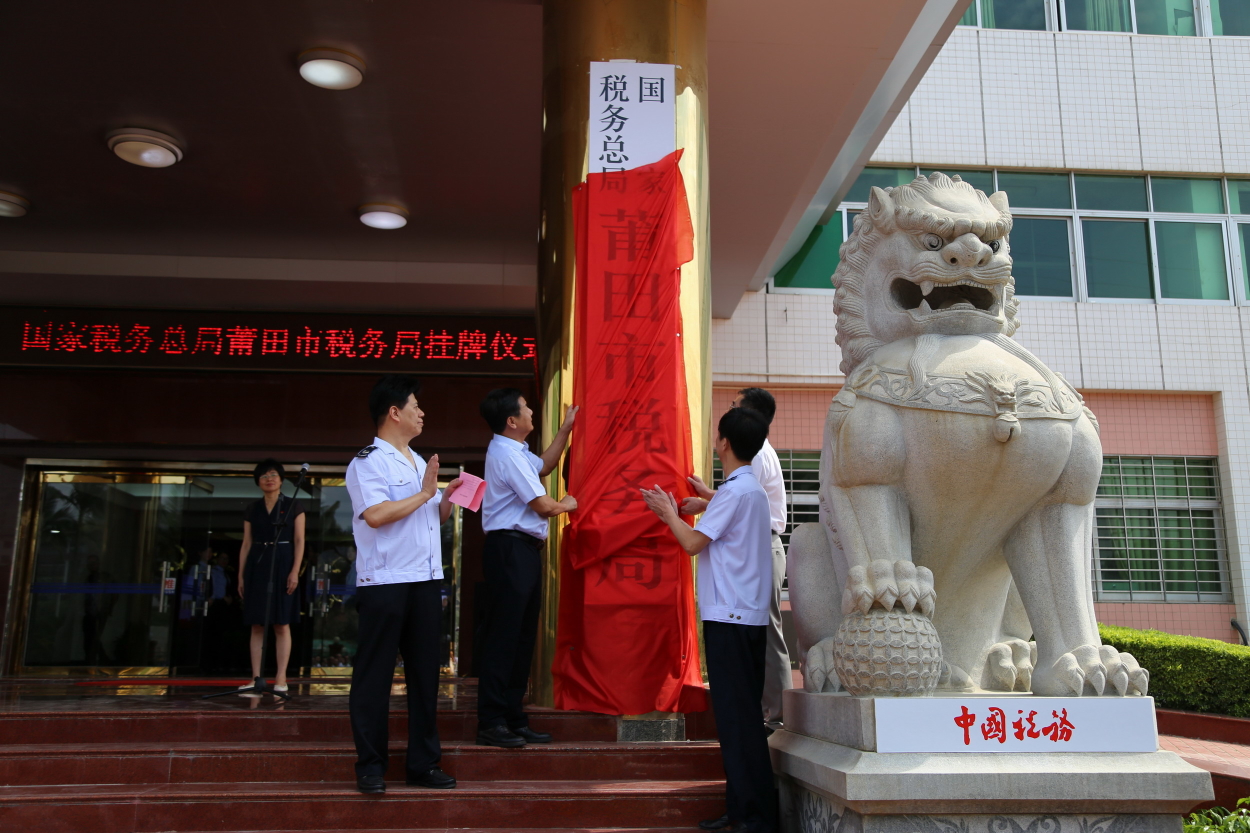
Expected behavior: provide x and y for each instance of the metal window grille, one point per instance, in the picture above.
(1159, 531)
(801, 472)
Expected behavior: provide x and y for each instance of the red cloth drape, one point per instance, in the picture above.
(627, 640)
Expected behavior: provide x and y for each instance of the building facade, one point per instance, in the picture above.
(1121, 135)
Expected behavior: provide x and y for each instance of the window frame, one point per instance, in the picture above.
(1155, 503)
(1057, 20)
(1234, 269)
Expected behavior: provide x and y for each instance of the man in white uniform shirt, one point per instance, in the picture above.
(515, 510)
(733, 543)
(397, 513)
(767, 468)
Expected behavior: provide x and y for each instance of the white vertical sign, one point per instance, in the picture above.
(632, 114)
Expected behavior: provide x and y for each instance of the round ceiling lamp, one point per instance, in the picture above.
(383, 215)
(11, 205)
(145, 148)
(331, 69)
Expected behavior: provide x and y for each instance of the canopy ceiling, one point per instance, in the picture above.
(261, 212)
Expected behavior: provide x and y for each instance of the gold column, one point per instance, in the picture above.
(576, 32)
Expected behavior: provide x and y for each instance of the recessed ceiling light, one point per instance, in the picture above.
(145, 148)
(333, 69)
(383, 215)
(11, 205)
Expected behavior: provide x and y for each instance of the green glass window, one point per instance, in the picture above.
(1187, 196)
(1158, 530)
(981, 180)
(1014, 14)
(1099, 15)
(1243, 236)
(1040, 257)
(1111, 193)
(813, 265)
(1117, 259)
(880, 177)
(1239, 196)
(1191, 261)
(1165, 17)
(1029, 190)
(1230, 18)
(970, 15)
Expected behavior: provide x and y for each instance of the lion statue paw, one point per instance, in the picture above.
(1094, 666)
(818, 671)
(886, 582)
(1009, 666)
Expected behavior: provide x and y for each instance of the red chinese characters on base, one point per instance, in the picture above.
(994, 726)
(474, 345)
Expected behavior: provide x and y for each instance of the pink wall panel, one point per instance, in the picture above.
(1155, 423)
(800, 421)
(1207, 620)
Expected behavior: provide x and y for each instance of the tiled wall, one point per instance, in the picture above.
(1209, 621)
(1079, 100)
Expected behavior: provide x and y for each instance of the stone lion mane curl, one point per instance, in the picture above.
(912, 212)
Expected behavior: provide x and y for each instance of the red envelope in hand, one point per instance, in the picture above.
(469, 493)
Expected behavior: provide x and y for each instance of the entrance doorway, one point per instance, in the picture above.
(132, 571)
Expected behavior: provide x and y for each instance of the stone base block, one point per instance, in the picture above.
(832, 782)
(805, 811)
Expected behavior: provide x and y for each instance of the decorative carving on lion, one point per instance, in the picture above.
(957, 476)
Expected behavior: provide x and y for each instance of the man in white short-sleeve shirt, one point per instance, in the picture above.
(733, 543)
(515, 511)
(767, 467)
(397, 512)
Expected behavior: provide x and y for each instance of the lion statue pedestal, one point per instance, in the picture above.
(952, 557)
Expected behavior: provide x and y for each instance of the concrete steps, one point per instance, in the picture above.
(135, 771)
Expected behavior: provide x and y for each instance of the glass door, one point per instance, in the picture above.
(106, 550)
(136, 573)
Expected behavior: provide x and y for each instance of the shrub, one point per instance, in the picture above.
(1219, 820)
(1188, 672)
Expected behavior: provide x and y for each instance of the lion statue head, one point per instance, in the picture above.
(929, 257)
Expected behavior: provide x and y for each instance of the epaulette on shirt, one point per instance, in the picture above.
(366, 451)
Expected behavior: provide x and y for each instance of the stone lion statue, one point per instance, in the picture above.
(957, 476)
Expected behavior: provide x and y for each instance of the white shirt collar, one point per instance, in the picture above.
(394, 452)
(509, 443)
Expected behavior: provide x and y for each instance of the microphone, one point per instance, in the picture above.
(304, 467)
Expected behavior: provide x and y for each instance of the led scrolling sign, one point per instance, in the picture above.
(262, 341)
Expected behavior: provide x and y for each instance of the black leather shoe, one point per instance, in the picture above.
(434, 778)
(715, 824)
(370, 784)
(531, 736)
(499, 736)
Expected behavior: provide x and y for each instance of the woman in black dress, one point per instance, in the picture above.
(259, 521)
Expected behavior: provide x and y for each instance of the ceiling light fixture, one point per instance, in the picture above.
(145, 148)
(383, 215)
(11, 205)
(332, 69)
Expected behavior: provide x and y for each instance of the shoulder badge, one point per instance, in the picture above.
(366, 451)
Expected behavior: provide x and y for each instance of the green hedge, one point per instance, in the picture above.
(1188, 672)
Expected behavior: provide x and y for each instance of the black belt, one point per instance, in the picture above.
(514, 533)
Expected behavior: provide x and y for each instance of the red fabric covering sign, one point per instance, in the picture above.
(627, 640)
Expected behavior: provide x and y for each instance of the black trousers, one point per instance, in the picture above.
(513, 570)
(735, 673)
(397, 619)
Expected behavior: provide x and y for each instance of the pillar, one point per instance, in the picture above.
(576, 32)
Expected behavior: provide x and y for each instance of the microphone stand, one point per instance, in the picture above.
(259, 686)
